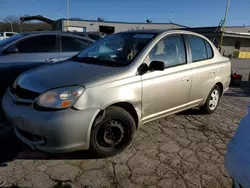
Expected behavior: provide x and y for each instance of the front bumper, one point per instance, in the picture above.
(50, 131)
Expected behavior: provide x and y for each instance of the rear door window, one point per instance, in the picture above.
(38, 44)
(198, 48)
(71, 44)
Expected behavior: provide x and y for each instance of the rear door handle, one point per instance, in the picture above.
(185, 79)
(50, 60)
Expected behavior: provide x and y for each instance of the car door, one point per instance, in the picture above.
(204, 68)
(167, 91)
(34, 49)
(31, 52)
(70, 46)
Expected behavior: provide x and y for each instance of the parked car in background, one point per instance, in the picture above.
(5, 35)
(93, 35)
(98, 98)
(25, 51)
(96, 35)
(237, 158)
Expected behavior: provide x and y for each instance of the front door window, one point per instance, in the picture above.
(170, 50)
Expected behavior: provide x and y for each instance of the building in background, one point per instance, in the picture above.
(235, 38)
(109, 27)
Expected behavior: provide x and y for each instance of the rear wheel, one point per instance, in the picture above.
(212, 101)
(113, 133)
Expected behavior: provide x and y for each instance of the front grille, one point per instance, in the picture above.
(24, 93)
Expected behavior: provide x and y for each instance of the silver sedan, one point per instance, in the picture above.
(98, 98)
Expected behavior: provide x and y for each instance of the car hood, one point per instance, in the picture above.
(61, 74)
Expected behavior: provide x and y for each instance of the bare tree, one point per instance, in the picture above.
(14, 19)
(12, 23)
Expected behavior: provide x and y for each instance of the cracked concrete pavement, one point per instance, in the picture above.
(183, 151)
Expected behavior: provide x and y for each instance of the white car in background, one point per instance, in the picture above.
(4, 35)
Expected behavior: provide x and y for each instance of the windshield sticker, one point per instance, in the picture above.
(144, 36)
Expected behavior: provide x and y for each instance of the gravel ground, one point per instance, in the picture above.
(180, 151)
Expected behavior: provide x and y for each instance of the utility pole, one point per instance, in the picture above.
(10, 22)
(20, 24)
(223, 26)
(68, 13)
(170, 16)
(11, 25)
(59, 14)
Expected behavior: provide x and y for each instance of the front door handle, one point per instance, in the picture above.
(213, 72)
(50, 60)
(185, 79)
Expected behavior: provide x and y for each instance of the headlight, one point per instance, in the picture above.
(60, 98)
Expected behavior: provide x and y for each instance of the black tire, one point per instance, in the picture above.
(206, 108)
(104, 128)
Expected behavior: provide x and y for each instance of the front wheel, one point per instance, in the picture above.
(112, 134)
(212, 101)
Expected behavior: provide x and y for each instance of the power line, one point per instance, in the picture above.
(224, 23)
(240, 1)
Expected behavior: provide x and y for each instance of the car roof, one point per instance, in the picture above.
(160, 31)
(153, 31)
(44, 32)
(56, 33)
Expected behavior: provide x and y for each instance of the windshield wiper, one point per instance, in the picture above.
(95, 60)
(83, 59)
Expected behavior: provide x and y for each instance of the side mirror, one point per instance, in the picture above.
(157, 66)
(142, 69)
(11, 50)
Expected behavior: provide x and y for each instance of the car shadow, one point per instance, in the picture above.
(242, 90)
(58, 184)
(192, 111)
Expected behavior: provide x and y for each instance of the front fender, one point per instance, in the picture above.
(102, 96)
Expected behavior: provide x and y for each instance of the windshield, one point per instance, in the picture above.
(117, 49)
(9, 40)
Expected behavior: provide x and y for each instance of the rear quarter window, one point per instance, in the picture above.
(199, 49)
(209, 49)
(9, 34)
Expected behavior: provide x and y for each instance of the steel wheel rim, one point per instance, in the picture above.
(214, 99)
(110, 135)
